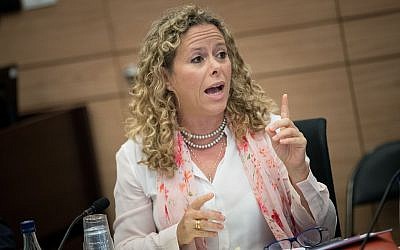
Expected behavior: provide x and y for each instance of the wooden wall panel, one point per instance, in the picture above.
(68, 29)
(131, 19)
(76, 51)
(377, 89)
(256, 15)
(66, 84)
(292, 49)
(324, 94)
(359, 7)
(373, 36)
(108, 134)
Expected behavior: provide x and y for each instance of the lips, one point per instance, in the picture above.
(215, 89)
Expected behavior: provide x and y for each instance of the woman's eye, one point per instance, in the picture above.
(196, 59)
(221, 54)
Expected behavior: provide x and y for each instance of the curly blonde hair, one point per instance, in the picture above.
(153, 107)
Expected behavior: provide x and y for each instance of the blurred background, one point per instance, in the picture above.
(337, 59)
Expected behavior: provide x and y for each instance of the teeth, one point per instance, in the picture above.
(214, 90)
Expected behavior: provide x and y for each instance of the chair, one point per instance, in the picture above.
(314, 130)
(370, 178)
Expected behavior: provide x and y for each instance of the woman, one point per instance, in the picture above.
(206, 164)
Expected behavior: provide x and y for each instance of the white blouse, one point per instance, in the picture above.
(136, 227)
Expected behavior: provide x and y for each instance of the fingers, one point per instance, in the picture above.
(205, 214)
(285, 106)
(289, 131)
(282, 123)
(290, 136)
(199, 223)
(208, 225)
(285, 122)
(205, 220)
(199, 202)
(204, 233)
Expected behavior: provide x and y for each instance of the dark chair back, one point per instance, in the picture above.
(314, 130)
(370, 178)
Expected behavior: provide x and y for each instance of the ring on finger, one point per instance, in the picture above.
(197, 224)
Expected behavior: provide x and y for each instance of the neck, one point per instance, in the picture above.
(201, 125)
(204, 141)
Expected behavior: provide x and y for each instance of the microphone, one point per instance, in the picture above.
(380, 207)
(97, 206)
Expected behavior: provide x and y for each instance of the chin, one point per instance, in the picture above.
(217, 110)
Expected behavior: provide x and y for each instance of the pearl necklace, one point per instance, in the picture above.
(206, 136)
(210, 176)
(187, 137)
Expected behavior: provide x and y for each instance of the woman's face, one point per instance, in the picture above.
(201, 72)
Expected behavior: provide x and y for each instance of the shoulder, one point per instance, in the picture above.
(129, 146)
(130, 151)
(128, 159)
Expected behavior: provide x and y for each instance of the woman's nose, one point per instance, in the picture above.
(215, 66)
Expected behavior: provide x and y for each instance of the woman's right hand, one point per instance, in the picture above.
(199, 223)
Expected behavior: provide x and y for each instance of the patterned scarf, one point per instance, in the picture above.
(266, 174)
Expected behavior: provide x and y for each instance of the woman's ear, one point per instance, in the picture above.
(167, 79)
(169, 86)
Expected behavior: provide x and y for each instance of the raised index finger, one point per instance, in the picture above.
(285, 106)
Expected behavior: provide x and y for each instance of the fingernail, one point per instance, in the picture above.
(275, 137)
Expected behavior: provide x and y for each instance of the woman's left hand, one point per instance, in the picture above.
(289, 143)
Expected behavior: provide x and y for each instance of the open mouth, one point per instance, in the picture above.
(215, 89)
